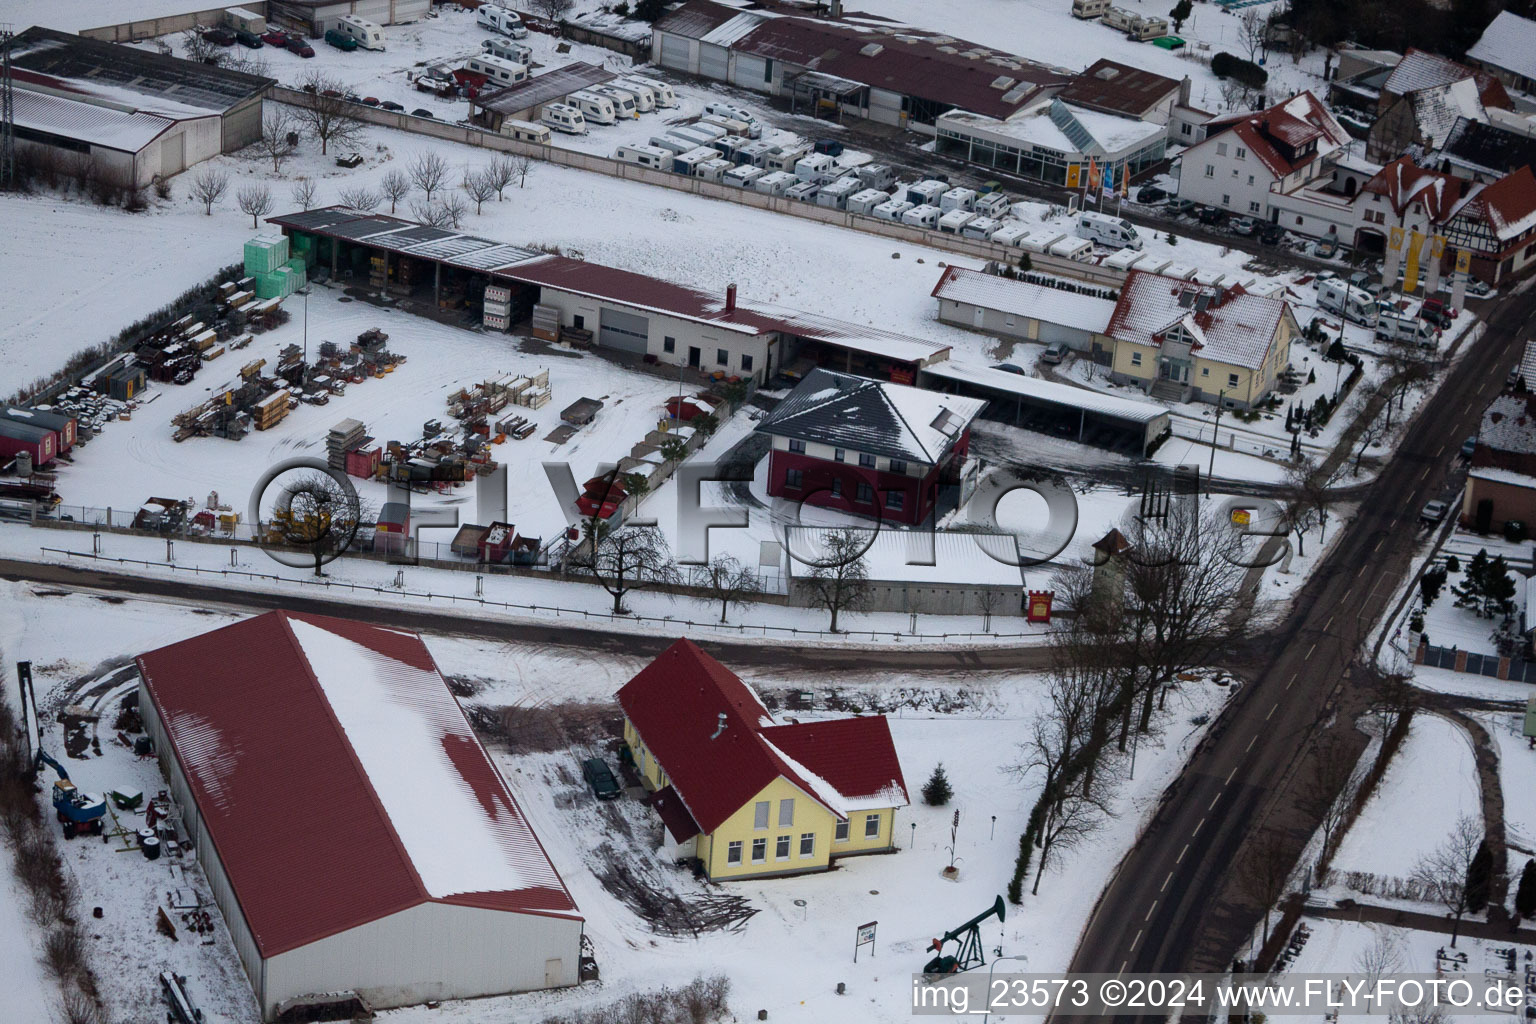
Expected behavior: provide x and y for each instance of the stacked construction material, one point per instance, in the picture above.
(497, 312)
(265, 254)
(344, 437)
(269, 412)
(546, 322)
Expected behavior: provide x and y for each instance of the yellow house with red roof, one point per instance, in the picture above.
(749, 797)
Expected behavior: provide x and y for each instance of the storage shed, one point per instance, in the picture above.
(40, 442)
(62, 425)
(316, 16)
(355, 834)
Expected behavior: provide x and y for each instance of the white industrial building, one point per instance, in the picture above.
(1012, 308)
(138, 114)
(316, 17)
(355, 834)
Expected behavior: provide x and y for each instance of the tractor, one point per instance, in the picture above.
(80, 813)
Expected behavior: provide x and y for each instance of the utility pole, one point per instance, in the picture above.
(7, 110)
(1215, 432)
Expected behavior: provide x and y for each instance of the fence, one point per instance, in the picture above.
(470, 135)
(721, 629)
(1492, 666)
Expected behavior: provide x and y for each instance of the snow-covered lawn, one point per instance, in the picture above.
(29, 994)
(1517, 778)
(1447, 625)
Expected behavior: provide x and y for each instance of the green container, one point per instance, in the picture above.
(269, 285)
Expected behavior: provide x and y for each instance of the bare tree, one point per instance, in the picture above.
(553, 10)
(838, 578)
(247, 62)
(1381, 957)
(394, 186)
(360, 198)
(479, 186)
(500, 173)
(625, 559)
(522, 165)
(1328, 787)
(1374, 430)
(303, 192)
(1252, 32)
(726, 580)
(1068, 822)
(1392, 697)
(454, 209)
(988, 601)
(316, 514)
(429, 172)
(255, 200)
(1264, 870)
(326, 115)
(431, 214)
(201, 49)
(1410, 366)
(208, 187)
(1310, 485)
(276, 127)
(1442, 872)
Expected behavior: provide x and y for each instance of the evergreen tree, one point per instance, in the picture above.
(936, 791)
(1479, 874)
(1312, 377)
(1469, 592)
(1180, 14)
(1499, 590)
(1525, 893)
(1431, 583)
(1335, 352)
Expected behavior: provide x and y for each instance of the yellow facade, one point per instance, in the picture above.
(1212, 376)
(800, 835)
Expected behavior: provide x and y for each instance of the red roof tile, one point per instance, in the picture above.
(305, 838)
(1507, 206)
(856, 756)
(1403, 182)
(1293, 123)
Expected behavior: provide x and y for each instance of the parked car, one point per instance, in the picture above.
(341, 42)
(1432, 512)
(1054, 354)
(1148, 194)
(250, 39)
(369, 101)
(831, 147)
(349, 160)
(300, 46)
(1366, 282)
(1212, 216)
(1326, 248)
(220, 36)
(1478, 288)
(986, 188)
(391, 105)
(600, 778)
(1468, 447)
(423, 112)
(1182, 207)
(1245, 226)
(275, 37)
(1010, 368)
(1271, 234)
(1436, 308)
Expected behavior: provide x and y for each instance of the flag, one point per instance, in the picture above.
(1093, 173)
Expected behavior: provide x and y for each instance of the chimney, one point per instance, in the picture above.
(730, 301)
(835, 8)
(721, 727)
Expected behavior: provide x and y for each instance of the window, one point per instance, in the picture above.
(1250, 179)
(895, 500)
(1210, 170)
(746, 364)
(578, 322)
(864, 493)
(838, 454)
(1226, 200)
(1221, 149)
(841, 835)
(786, 813)
(1299, 222)
(1135, 358)
(793, 479)
(1184, 128)
(1241, 152)
(1205, 371)
(871, 826)
(669, 344)
(898, 466)
(837, 487)
(807, 844)
(1253, 207)
(1231, 380)
(722, 357)
(760, 814)
(733, 853)
(1234, 172)
(781, 847)
(867, 461)
(759, 850)
(796, 446)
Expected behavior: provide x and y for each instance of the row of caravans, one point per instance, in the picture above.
(1361, 307)
(626, 97)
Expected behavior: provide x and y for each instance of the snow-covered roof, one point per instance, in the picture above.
(926, 557)
(1494, 474)
(1509, 425)
(1507, 206)
(873, 416)
(1036, 389)
(127, 131)
(347, 736)
(1280, 135)
(1420, 69)
(1403, 182)
(1436, 110)
(1509, 42)
(1231, 325)
(1024, 298)
(1109, 133)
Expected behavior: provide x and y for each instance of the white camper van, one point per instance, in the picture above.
(733, 126)
(497, 69)
(672, 143)
(877, 176)
(817, 167)
(776, 183)
(743, 176)
(1071, 248)
(1354, 304)
(981, 227)
(645, 98)
(923, 216)
(784, 158)
(755, 152)
(996, 205)
(1397, 327)
(501, 46)
(805, 191)
(563, 117)
(836, 194)
(891, 209)
(958, 198)
(1106, 230)
(368, 35)
(731, 110)
(688, 164)
(525, 131)
(500, 19)
(623, 102)
(925, 193)
(661, 91)
(955, 221)
(653, 157)
(865, 201)
(1089, 10)
(1012, 234)
(713, 170)
(596, 109)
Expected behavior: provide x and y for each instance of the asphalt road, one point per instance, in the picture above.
(1171, 906)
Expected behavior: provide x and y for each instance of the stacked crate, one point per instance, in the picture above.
(546, 322)
(378, 271)
(265, 253)
(269, 412)
(343, 438)
(497, 312)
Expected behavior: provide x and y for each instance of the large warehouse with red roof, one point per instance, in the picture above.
(355, 834)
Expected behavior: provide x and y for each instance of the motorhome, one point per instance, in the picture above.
(784, 158)
(731, 110)
(1106, 230)
(805, 191)
(776, 183)
(368, 35)
(661, 91)
(981, 227)
(653, 157)
(958, 198)
(645, 97)
(865, 201)
(497, 69)
(923, 216)
(733, 126)
(525, 131)
(836, 194)
(878, 176)
(1397, 327)
(563, 117)
(501, 46)
(1089, 10)
(817, 167)
(954, 222)
(996, 205)
(926, 193)
(623, 102)
(687, 164)
(891, 209)
(596, 109)
(743, 176)
(500, 19)
(1354, 304)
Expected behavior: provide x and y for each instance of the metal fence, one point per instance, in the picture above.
(1490, 665)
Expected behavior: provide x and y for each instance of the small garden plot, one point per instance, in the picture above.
(1469, 603)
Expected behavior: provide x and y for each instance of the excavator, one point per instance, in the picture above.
(80, 813)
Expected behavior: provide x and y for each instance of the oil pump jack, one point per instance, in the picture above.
(969, 951)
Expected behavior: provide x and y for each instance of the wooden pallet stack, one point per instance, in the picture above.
(345, 436)
(269, 412)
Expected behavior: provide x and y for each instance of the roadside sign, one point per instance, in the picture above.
(865, 936)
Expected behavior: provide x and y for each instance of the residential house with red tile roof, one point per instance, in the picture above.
(1496, 224)
(747, 796)
(1501, 485)
(1422, 100)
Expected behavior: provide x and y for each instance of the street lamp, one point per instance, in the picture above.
(987, 1016)
(913, 841)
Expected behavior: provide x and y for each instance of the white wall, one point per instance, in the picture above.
(1241, 181)
(428, 952)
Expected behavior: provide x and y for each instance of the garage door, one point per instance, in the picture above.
(376, 11)
(624, 331)
(751, 72)
(1076, 339)
(674, 52)
(713, 61)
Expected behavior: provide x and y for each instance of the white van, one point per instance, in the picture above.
(368, 35)
(878, 176)
(1396, 327)
(497, 69)
(891, 209)
(596, 109)
(954, 222)
(623, 102)
(645, 98)
(925, 193)
(981, 227)
(1354, 304)
(923, 216)
(865, 201)
(1107, 230)
(499, 19)
(817, 167)
(958, 198)
(731, 110)
(662, 92)
(743, 176)
(563, 117)
(501, 46)
(776, 183)
(653, 157)
(733, 126)
(996, 205)
(525, 131)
